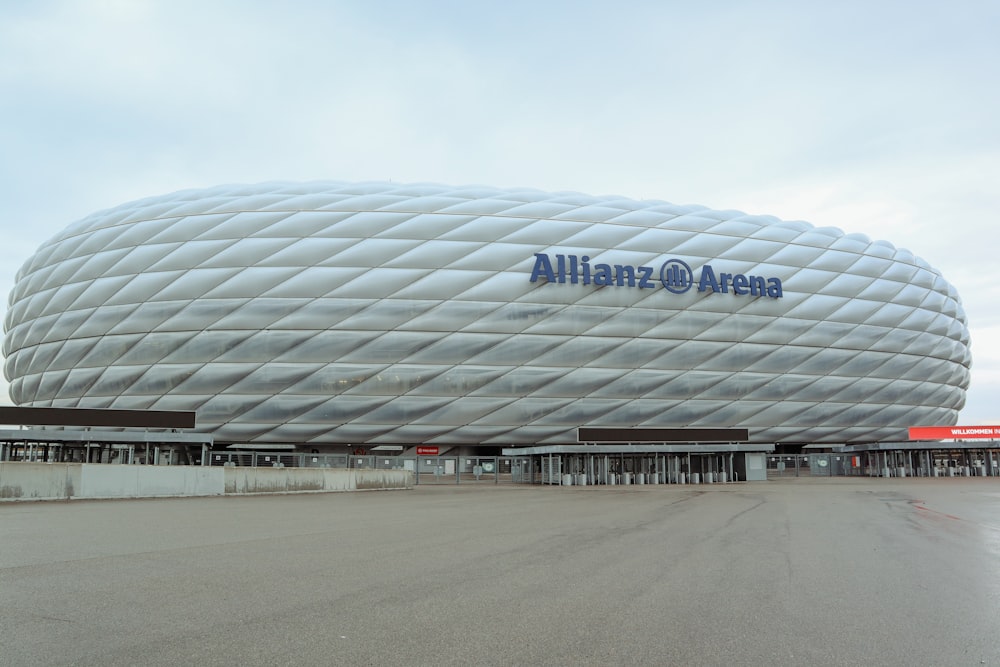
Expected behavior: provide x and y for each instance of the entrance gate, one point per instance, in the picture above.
(463, 469)
(818, 465)
(435, 470)
(621, 468)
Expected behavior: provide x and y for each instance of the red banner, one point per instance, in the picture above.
(954, 432)
(427, 451)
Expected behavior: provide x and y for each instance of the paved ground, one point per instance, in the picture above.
(796, 572)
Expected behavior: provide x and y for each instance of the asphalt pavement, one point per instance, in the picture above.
(841, 571)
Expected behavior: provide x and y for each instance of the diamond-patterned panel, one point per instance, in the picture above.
(385, 313)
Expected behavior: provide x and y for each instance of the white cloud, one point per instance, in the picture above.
(875, 118)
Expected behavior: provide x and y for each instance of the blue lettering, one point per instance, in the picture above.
(603, 275)
(543, 267)
(646, 277)
(724, 280)
(573, 276)
(625, 274)
(708, 280)
(774, 288)
(675, 275)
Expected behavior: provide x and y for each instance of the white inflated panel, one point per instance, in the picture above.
(386, 313)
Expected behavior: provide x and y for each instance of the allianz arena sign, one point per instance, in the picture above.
(674, 275)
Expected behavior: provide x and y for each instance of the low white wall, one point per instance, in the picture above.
(139, 481)
(52, 481)
(37, 481)
(285, 480)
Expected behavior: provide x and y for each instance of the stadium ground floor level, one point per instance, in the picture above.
(674, 463)
(893, 459)
(580, 464)
(642, 464)
(104, 446)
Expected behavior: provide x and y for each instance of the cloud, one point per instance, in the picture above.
(875, 118)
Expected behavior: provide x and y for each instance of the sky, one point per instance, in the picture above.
(873, 116)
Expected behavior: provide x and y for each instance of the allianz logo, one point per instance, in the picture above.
(674, 275)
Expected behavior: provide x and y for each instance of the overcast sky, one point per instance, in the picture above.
(879, 117)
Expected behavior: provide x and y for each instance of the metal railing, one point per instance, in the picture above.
(426, 469)
(545, 470)
(879, 464)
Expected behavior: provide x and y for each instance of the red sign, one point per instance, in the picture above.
(954, 432)
(427, 451)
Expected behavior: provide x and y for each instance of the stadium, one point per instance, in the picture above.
(327, 316)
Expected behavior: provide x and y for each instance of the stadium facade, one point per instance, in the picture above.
(328, 315)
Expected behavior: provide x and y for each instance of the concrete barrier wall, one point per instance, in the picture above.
(285, 480)
(53, 481)
(37, 481)
(368, 480)
(138, 481)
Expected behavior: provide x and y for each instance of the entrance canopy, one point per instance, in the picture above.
(631, 448)
(92, 435)
(598, 434)
(597, 440)
(108, 417)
